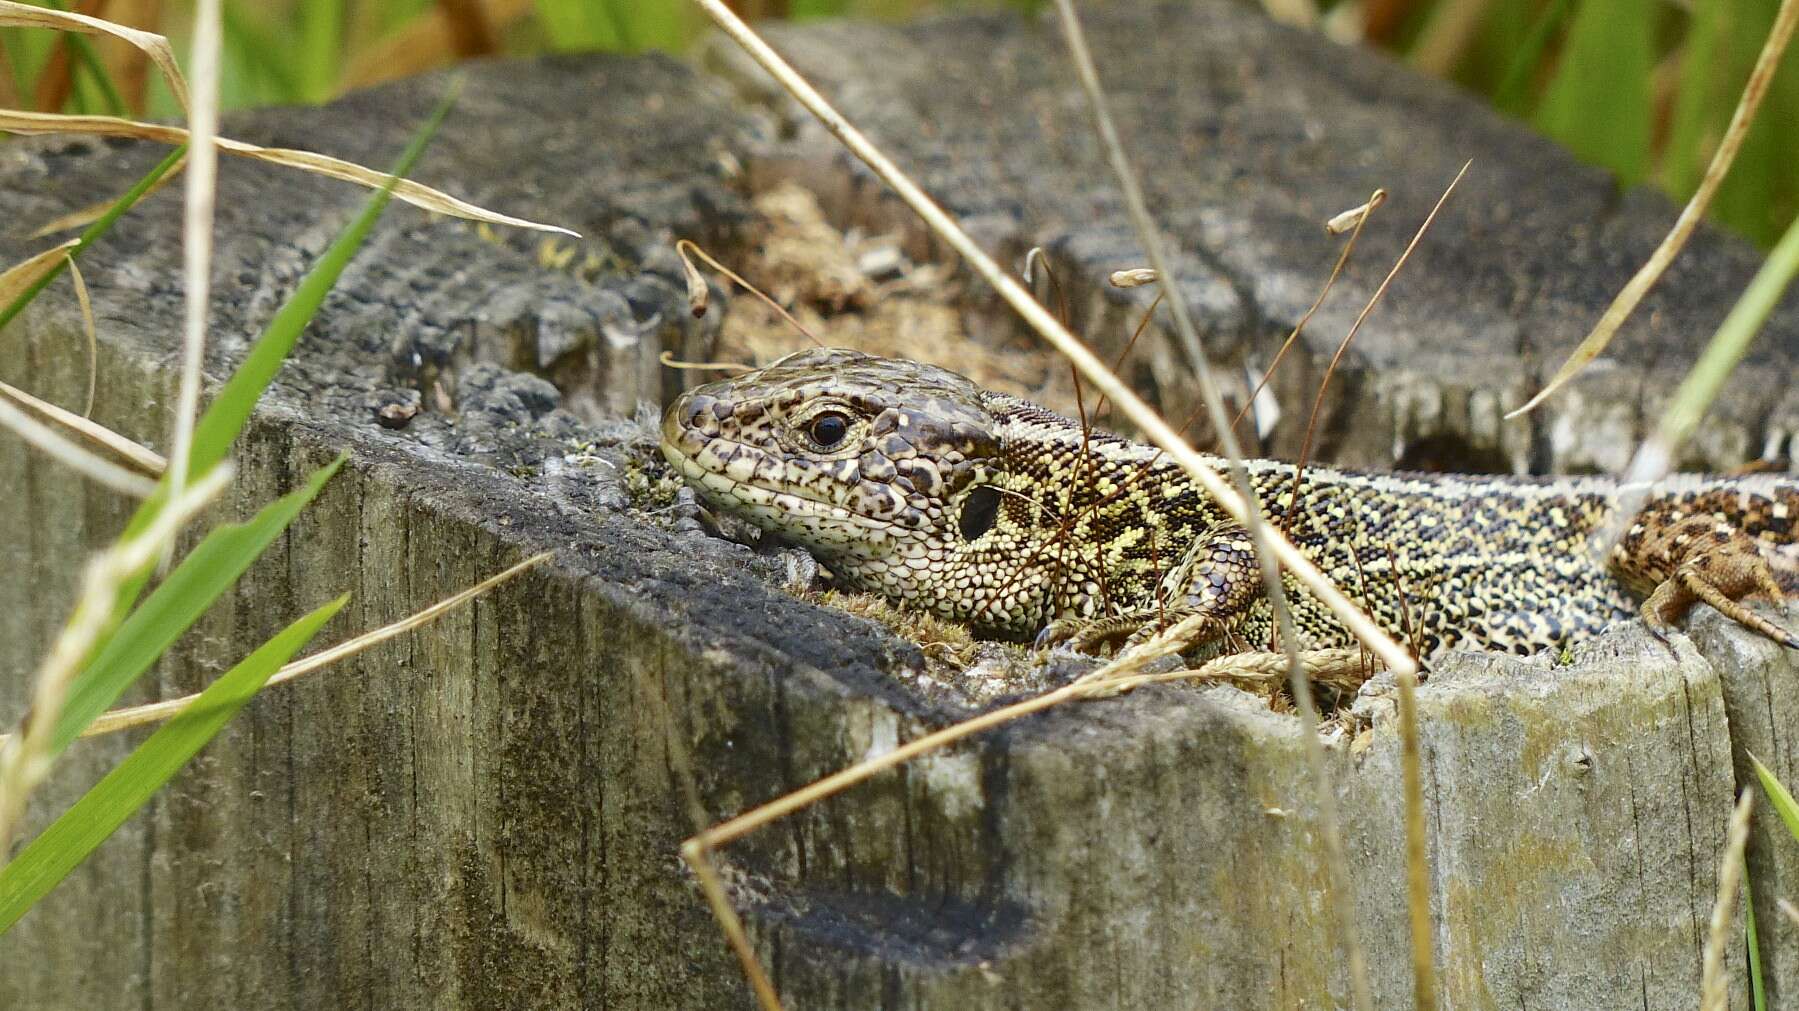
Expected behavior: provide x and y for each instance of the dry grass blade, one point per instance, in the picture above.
(55, 81)
(1452, 27)
(698, 853)
(1714, 993)
(196, 231)
(156, 47)
(86, 305)
(697, 293)
(1695, 394)
(1353, 220)
(145, 461)
(413, 193)
(27, 272)
(156, 712)
(669, 361)
(1305, 447)
(94, 468)
(24, 757)
(753, 819)
(1789, 910)
(1117, 675)
(1645, 278)
(1142, 415)
(1341, 669)
(1330, 832)
(471, 32)
(1417, 866)
(699, 857)
(82, 217)
(1273, 547)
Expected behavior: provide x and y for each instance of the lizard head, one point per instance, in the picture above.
(876, 466)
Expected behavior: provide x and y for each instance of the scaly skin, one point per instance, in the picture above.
(909, 481)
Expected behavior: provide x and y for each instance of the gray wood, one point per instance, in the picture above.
(1761, 690)
(1249, 136)
(486, 814)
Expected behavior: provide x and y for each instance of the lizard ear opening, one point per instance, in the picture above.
(979, 511)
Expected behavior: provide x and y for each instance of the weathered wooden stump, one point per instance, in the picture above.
(486, 814)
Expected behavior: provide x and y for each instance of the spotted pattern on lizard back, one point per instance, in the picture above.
(910, 481)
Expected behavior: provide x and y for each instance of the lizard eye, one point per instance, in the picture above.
(828, 429)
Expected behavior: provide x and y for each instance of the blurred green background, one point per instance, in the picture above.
(1641, 87)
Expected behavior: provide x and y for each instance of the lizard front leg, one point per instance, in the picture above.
(1216, 581)
(1683, 560)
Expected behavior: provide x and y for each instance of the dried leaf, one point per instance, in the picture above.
(87, 324)
(156, 47)
(413, 193)
(698, 295)
(81, 461)
(29, 272)
(146, 461)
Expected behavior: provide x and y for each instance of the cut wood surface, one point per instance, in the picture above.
(486, 813)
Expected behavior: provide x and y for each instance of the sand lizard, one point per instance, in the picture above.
(910, 481)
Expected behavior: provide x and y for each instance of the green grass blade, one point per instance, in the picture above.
(226, 416)
(84, 55)
(96, 72)
(625, 26)
(261, 56)
(1757, 196)
(68, 841)
(1600, 103)
(652, 24)
(1783, 801)
(13, 51)
(230, 410)
(577, 25)
(206, 573)
(1702, 105)
(621, 27)
(800, 10)
(1491, 48)
(1728, 345)
(320, 45)
(1512, 95)
(92, 233)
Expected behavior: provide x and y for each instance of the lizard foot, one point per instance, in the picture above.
(1089, 635)
(1127, 631)
(1723, 578)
